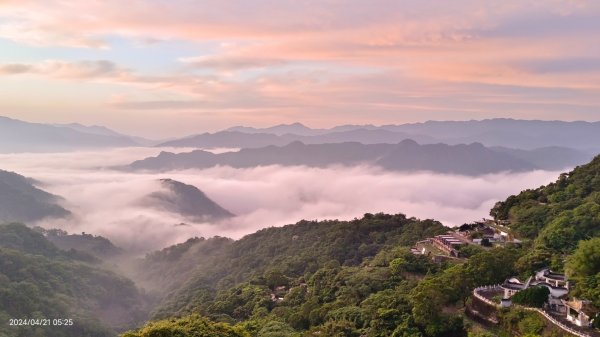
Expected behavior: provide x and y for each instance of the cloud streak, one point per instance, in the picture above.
(231, 63)
(66, 70)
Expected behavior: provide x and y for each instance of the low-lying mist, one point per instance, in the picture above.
(106, 202)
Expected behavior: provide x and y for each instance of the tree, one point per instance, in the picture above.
(492, 266)
(428, 299)
(189, 326)
(481, 334)
(531, 325)
(335, 329)
(275, 278)
(532, 297)
(585, 260)
(277, 329)
(583, 266)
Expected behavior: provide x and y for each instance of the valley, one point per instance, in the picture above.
(212, 241)
(339, 168)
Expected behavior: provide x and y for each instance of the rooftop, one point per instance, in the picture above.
(512, 286)
(552, 275)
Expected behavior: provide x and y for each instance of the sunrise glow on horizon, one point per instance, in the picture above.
(170, 68)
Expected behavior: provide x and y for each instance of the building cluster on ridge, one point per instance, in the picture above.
(486, 233)
(489, 233)
(577, 311)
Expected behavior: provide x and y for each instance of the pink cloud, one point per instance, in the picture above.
(322, 61)
(384, 22)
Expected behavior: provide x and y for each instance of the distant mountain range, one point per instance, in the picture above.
(104, 131)
(518, 134)
(299, 129)
(238, 139)
(408, 155)
(187, 201)
(549, 158)
(20, 136)
(21, 201)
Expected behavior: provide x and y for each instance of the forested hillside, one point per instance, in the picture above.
(273, 255)
(21, 201)
(560, 214)
(358, 278)
(185, 200)
(96, 246)
(38, 280)
(562, 222)
(327, 278)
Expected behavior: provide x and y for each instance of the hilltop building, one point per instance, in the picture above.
(555, 282)
(551, 278)
(485, 233)
(577, 312)
(448, 243)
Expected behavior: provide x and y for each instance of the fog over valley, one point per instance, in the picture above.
(283, 168)
(107, 202)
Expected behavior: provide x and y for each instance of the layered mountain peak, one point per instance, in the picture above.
(187, 201)
(21, 201)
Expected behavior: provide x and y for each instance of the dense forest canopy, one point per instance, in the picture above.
(290, 252)
(333, 278)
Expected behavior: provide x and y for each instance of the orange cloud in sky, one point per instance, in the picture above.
(325, 62)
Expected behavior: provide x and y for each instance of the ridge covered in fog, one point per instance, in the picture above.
(406, 156)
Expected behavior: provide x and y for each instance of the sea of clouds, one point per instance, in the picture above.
(105, 201)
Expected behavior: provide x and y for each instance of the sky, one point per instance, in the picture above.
(163, 68)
